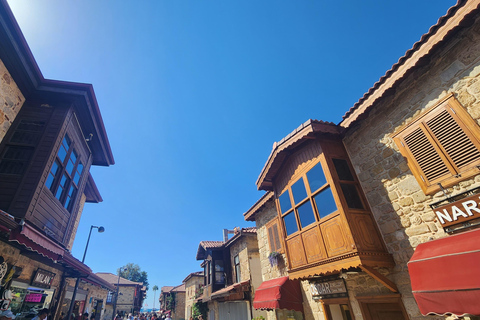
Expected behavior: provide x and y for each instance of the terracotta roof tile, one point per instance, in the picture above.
(437, 34)
(113, 279)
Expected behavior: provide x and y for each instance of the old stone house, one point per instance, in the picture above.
(130, 295)
(193, 290)
(232, 274)
(377, 216)
(45, 162)
(172, 301)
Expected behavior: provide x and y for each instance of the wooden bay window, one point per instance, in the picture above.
(325, 219)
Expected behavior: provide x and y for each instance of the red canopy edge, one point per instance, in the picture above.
(445, 277)
(36, 241)
(279, 293)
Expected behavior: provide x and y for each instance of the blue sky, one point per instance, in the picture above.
(194, 93)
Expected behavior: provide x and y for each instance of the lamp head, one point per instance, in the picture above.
(101, 229)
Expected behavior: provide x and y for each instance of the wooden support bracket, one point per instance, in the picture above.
(380, 278)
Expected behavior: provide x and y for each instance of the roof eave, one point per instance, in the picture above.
(18, 59)
(250, 214)
(311, 129)
(456, 17)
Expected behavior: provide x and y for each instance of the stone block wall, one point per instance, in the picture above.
(399, 206)
(192, 287)
(11, 100)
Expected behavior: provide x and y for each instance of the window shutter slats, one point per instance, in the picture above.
(425, 154)
(453, 139)
(276, 237)
(270, 239)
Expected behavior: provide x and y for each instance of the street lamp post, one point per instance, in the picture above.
(116, 294)
(72, 303)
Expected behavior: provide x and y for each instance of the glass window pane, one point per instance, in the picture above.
(70, 166)
(290, 223)
(62, 153)
(298, 190)
(351, 196)
(62, 186)
(306, 215)
(66, 141)
(78, 173)
(343, 170)
(325, 203)
(285, 203)
(316, 178)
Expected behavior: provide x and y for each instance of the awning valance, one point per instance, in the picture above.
(36, 241)
(445, 277)
(232, 292)
(279, 293)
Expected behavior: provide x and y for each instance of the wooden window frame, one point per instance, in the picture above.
(238, 271)
(455, 174)
(273, 246)
(62, 170)
(322, 161)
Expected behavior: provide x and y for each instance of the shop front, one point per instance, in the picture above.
(79, 304)
(28, 298)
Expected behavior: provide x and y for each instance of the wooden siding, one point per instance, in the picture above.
(346, 237)
(46, 210)
(17, 190)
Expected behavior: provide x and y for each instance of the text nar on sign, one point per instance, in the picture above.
(459, 211)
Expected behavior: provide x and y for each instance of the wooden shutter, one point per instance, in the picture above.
(274, 236)
(426, 156)
(453, 140)
(441, 144)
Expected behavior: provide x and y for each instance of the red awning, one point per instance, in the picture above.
(445, 276)
(75, 264)
(280, 293)
(36, 241)
(238, 287)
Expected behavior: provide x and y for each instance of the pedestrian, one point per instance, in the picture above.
(42, 315)
(7, 315)
(168, 317)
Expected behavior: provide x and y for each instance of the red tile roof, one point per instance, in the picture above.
(113, 279)
(456, 17)
(250, 214)
(280, 151)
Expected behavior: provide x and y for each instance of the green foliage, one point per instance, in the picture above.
(155, 288)
(199, 308)
(259, 318)
(170, 302)
(132, 272)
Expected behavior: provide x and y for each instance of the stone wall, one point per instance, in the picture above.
(399, 205)
(125, 300)
(13, 257)
(192, 288)
(11, 100)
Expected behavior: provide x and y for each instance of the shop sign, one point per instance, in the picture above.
(328, 289)
(4, 304)
(33, 297)
(43, 278)
(459, 211)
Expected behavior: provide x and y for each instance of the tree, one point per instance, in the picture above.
(132, 272)
(155, 288)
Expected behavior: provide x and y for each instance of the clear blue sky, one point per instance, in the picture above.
(194, 93)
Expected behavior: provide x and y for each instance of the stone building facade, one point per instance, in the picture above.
(130, 295)
(193, 290)
(382, 137)
(11, 100)
(35, 245)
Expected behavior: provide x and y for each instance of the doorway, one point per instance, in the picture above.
(337, 309)
(382, 307)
